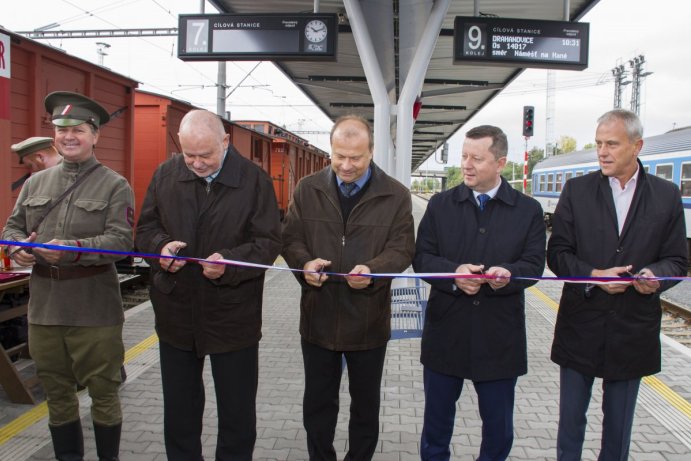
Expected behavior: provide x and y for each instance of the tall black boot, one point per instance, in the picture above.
(68, 441)
(107, 441)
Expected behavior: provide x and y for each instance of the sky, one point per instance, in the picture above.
(619, 31)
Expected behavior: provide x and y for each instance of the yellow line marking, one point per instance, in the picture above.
(140, 348)
(19, 424)
(544, 298)
(669, 395)
(40, 411)
(653, 382)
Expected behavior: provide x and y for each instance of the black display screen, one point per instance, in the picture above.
(521, 43)
(216, 37)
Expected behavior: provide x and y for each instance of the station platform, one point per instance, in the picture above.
(662, 426)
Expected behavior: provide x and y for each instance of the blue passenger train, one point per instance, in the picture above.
(667, 155)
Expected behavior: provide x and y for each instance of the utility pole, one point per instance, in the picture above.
(101, 51)
(619, 73)
(550, 137)
(637, 76)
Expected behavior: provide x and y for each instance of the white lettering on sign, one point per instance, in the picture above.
(5, 56)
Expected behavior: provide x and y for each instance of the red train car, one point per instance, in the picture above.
(33, 70)
(156, 138)
(283, 155)
(292, 158)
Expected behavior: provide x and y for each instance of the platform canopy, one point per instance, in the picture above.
(394, 30)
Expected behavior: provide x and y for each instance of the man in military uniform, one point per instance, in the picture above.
(37, 152)
(75, 308)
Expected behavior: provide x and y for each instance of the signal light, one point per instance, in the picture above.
(528, 120)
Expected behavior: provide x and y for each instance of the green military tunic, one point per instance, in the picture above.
(98, 213)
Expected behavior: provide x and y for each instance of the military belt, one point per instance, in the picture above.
(68, 272)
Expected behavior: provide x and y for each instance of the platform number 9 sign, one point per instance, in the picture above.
(475, 40)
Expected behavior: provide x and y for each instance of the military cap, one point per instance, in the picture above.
(72, 109)
(31, 145)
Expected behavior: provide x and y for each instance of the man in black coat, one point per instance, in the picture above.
(614, 222)
(475, 327)
(209, 202)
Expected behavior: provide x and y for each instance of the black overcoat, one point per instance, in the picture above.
(238, 218)
(480, 337)
(614, 336)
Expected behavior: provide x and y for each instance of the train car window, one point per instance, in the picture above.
(646, 168)
(550, 180)
(664, 171)
(568, 176)
(257, 150)
(557, 183)
(538, 182)
(579, 173)
(686, 179)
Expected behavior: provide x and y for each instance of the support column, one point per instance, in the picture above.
(412, 87)
(375, 81)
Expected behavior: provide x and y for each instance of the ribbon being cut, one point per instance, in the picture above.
(441, 275)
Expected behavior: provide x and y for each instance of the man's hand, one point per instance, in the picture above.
(643, 286)
(313, 269)
(613, 288)
(172, 249)
(213, 271)
(20, 255)
(469, 286)
(503, 277)
(51, 256)
(358, 282)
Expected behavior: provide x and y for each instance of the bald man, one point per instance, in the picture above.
(209, 203)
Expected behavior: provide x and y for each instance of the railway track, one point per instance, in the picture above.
(676, 322)
(134, 290)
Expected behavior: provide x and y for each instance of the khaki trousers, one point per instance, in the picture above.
(91, 356)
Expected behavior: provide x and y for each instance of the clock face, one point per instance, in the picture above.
(315, 31)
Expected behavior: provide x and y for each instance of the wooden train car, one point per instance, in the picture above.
(283, 155)
(31, 71)
(292, 158)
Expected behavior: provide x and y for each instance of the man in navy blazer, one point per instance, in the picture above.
(475, 327)
(618, 221)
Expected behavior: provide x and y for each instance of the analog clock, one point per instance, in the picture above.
(315, 31)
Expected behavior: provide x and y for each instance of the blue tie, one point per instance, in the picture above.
(483, 199)
(348, 188)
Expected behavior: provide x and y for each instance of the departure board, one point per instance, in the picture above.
(521, 43)
(255, 37)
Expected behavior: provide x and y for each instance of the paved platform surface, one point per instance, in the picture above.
(279, 421)
(662, 425)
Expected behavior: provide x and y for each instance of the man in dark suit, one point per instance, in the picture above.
(475, 327)
(212, 203)
(614, 222)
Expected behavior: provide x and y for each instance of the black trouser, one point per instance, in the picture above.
(235, 379)
(323, 370)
